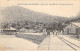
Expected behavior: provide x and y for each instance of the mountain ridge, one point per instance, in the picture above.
(17, 13)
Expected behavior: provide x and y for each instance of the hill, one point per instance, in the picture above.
(21, 17)
(17, 13)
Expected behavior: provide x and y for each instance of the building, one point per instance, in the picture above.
(72, 29)
(9, 31)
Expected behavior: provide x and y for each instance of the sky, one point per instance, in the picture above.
(56, 10)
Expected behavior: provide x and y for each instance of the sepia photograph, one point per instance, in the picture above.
(40, 25)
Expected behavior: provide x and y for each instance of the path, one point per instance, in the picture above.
(53, 42)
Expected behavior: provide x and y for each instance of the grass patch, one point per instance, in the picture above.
(34, 38)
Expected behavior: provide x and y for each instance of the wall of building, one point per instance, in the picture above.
(78, 31)
(70, 29)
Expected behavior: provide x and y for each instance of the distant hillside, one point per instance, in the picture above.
(19, 17)
(17, 13)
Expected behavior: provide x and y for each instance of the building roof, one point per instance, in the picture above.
(76, 23)
(11, 28)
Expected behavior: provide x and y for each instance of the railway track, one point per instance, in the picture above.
(70, 44)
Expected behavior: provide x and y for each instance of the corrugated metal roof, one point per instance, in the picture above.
(76, 23)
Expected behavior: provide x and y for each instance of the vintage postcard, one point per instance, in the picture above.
(39, 25)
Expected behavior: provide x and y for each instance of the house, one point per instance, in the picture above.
(72, 29)
(9, 31)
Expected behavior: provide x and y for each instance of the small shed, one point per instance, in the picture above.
(9, 31)
(72, 29)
